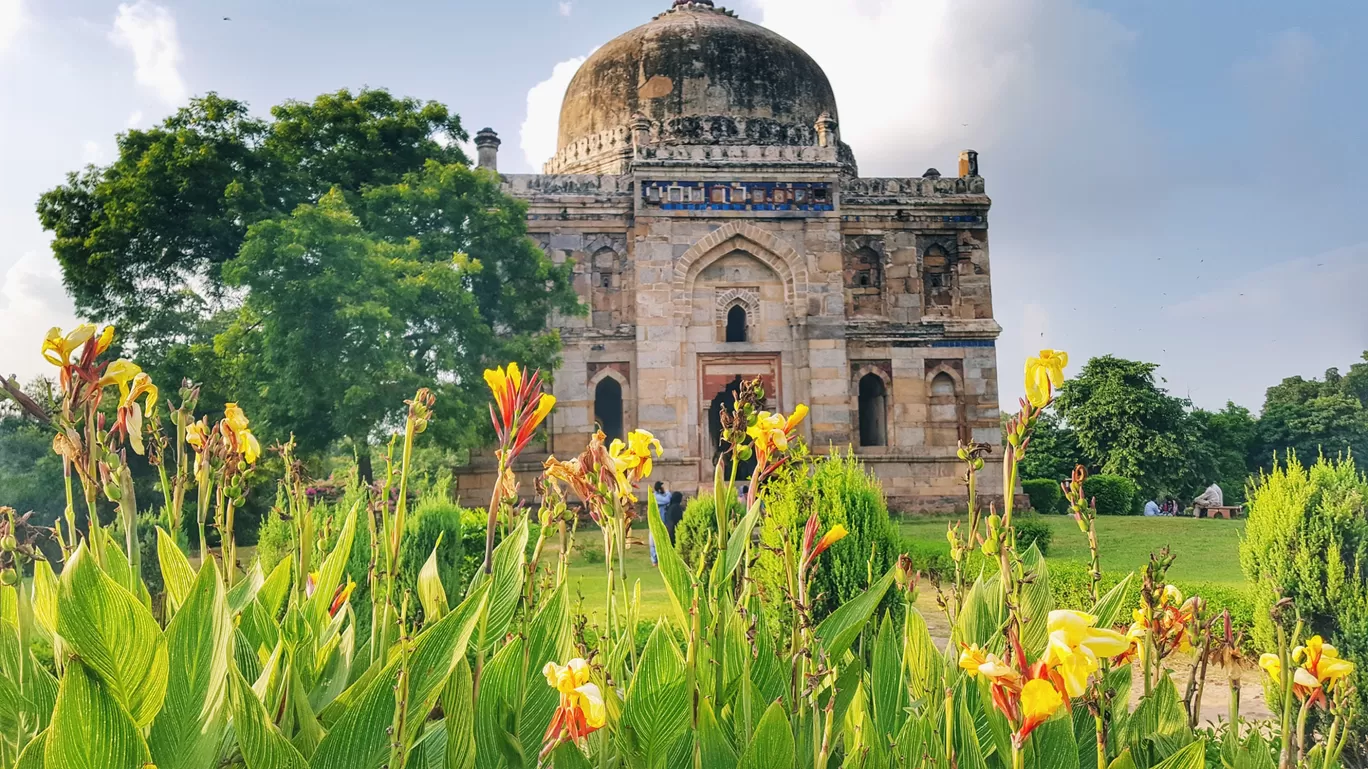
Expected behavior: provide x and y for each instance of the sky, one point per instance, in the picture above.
(1173, 181)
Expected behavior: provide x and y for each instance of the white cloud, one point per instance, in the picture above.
(148, 31)
(11, 19)
(135, 119)
(32, 300)
(540, 128)
(92, 152)
(566, 8)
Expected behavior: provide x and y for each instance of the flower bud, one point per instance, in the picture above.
(978, 463)
(113, 491)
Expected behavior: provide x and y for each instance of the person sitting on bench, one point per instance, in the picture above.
(1210, 498)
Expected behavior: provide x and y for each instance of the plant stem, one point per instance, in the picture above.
(495, 499)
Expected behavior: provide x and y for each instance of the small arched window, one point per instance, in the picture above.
(608, 408)
(938, 278)
(736, 324)
(943, 384)
(873, 411)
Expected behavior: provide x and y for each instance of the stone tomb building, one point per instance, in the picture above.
(720, 230)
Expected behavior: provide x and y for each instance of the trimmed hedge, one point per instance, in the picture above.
(1115, 494)
(1046, 496)
(1032, 530)
(1071, 587)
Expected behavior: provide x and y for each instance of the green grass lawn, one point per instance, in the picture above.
(1207, 550)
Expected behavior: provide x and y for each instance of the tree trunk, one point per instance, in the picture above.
(363, 461)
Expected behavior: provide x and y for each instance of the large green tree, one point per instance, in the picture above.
(347, 315)
(1126, 424)
(207, 244)
(1219, 451)
(1315, 416)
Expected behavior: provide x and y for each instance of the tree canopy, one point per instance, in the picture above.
(1114, 417)
(317, 266)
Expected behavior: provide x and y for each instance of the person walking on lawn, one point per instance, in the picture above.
(662, 500)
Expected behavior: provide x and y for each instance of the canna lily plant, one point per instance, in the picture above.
(240, 667)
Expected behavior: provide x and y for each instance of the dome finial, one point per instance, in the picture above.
(679, 3)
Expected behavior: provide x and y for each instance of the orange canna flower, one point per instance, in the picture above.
(519, 407)
(581, 711)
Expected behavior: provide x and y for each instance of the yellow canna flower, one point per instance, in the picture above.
(58, 348)
(1044, 374)
(141, 385)
(1039, 701)
(238, 426)
(971, 657)
(581, 710)
(771, 432)
(1076, 648)
(105, 339)
(195, 435)
(121, 373)
(633, 458)
(998, 671)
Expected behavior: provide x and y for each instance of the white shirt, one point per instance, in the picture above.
(1212, 497)
(1151, 508)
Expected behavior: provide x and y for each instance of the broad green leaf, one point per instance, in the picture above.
(333, 571)
(977, 622)
(1036, 602)
(115, 635)
(1157, 727)
(430, 591)
(45, 598)
(359, 739)
(657, 705)
(770, 680)
(1193, 756)
(262, 744)
(773, 743)
(1112, 604)
(496, 727)
(568, 756)
(921, 659)
(1052, 745)
(276, 588)
(970, 752)
(506, 587)
(32, 755)
(716, 750)
(837, 632)
(25, 706)
(548, 640)
(244, 591)
(177, 573)
(678, 581)
(458, 702)
(1123, 761)
(90, 729)
(887, 683)
(739, 541)
(188, 732)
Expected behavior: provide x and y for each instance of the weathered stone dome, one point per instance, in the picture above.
(700, 75)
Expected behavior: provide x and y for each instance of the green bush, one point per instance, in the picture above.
(1032, 529)
(435, 515)
(1046, 496)
(698, 529)
(1307, 539)
(1071, 588)
(275, 538)
(1115, 494)
(843, 492)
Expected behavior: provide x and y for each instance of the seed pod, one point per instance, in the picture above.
(9, 577)
(8, 543)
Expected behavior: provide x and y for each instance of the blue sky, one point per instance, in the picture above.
(1175, 181)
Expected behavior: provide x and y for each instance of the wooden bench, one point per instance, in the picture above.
(1227, 512)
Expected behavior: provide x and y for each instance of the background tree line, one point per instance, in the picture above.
(1116, 418)
(316, 266)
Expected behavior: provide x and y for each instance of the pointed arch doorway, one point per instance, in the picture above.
(720, 378)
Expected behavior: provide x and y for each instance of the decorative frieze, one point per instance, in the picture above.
(675, 195)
